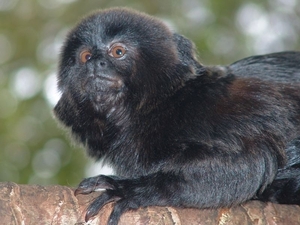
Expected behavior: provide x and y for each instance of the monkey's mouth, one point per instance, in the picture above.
(103, 89)
(102, 83)
(108, 81)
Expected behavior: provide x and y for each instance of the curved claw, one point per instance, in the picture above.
(98, 203)
(119, 208)
(79, 191)
(91, 184)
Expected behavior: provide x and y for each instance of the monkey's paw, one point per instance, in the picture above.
(125, 193)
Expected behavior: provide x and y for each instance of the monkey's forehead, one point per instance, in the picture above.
(121, 23)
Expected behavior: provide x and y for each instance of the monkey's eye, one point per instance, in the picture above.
(117, 50)
(85, 55)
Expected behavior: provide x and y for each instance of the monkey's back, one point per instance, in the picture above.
(282, 67)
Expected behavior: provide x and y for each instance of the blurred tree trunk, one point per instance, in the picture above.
(33, 204)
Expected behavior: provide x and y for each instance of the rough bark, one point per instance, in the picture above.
(34, 204)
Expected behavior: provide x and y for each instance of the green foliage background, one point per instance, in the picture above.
(33, 149)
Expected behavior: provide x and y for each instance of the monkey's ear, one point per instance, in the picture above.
(186, 51)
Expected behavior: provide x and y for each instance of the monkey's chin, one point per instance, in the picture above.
(105, 101)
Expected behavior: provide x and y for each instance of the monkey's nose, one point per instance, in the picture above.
(103, 64)
(100, 64)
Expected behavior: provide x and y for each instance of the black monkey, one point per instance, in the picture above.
(176, 132)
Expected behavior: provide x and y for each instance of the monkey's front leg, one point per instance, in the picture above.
(219, 181)
(156, 189)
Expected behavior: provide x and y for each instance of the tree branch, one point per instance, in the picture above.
(56, 205)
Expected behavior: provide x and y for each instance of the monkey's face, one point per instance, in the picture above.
(117, 54)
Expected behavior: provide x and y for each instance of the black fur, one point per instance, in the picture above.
(178, 133)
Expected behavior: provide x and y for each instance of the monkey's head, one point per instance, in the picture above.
(119, 54)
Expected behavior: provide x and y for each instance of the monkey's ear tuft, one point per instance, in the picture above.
(187, 53)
